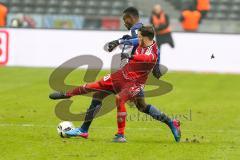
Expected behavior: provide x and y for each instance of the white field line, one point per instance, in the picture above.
(112, 128)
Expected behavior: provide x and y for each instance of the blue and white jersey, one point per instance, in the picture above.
(131, 40)
(130, 43)
(135, 29)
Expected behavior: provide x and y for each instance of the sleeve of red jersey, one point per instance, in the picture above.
(144, 57)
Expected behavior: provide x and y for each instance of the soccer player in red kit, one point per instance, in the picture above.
(127, 82)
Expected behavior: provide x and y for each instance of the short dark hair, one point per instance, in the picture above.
(147, 31)
(131, 11)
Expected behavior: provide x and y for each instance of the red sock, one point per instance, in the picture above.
(77, 91)
(121, 116)
(121, 121)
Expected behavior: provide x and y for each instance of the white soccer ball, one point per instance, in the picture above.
(64, 127)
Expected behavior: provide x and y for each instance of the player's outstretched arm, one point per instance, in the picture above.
(113, 44)
(132, 42)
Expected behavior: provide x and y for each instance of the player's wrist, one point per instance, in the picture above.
(120, 41)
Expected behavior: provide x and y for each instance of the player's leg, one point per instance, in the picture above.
(93, 109)
(76, 91)
(103, 86)
(91, 112)
(121, 99)
(128, 92)
(149, 109)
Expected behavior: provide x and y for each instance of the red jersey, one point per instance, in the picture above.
(140, 65)
(130, 80)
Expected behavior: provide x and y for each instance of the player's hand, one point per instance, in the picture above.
(123, 62)
(126, 36)
(125, 55)
(157, 71)
(112, 45)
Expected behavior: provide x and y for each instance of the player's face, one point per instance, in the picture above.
(128, 21)
(140, 39)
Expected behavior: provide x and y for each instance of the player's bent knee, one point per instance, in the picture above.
(141, 105)
(141, 108)
(98, 96)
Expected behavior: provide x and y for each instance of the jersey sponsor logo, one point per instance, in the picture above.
(135, 90)
(4, 47)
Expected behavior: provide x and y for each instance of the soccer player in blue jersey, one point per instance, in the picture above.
(131, 21)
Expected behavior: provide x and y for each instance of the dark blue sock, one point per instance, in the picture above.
(91, 112)
(157, 114)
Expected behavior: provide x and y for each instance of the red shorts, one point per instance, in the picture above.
(127, 90)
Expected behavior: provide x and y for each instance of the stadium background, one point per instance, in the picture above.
(53, 31)
(105, 14)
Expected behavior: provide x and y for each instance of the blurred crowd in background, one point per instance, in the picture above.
(171, 15)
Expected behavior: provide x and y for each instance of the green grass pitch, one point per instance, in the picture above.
(208, 106)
